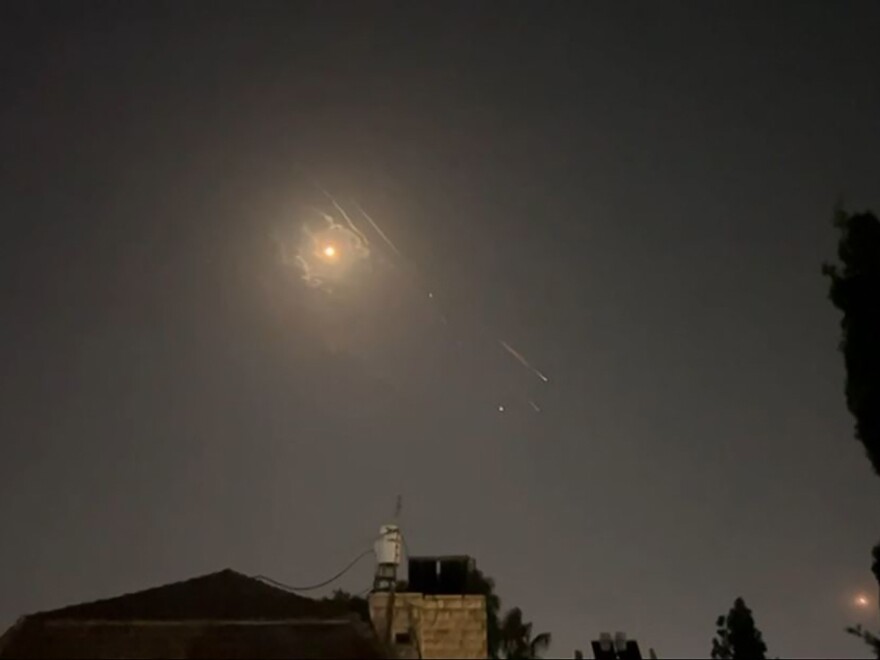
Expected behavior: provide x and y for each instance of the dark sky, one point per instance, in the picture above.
(635, 195)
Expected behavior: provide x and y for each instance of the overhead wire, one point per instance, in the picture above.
(324, 583)
(312, 587)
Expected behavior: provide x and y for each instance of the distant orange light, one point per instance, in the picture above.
(329, 251)
(862, 601)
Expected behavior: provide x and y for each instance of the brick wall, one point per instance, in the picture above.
(440, 626)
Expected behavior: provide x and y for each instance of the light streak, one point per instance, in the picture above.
(378, 230)
(345, 215)
(521, 359)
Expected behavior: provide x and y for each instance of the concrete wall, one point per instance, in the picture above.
(440, 626)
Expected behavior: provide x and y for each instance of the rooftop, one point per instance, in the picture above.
(220, 615)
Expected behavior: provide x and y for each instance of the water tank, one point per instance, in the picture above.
(388, 545)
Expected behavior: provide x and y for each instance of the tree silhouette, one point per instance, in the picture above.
(737, 637)
(478, 583)
(870, 638)
(355, 604)
(855, 291)
(517, 642)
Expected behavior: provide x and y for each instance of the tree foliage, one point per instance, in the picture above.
(355, 604)
(517, 642)
(478, 583)
(510, 637)
(855, 291)
(875, 567)
(737, 637)
(868, 637)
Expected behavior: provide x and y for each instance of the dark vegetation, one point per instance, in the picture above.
(855, 291)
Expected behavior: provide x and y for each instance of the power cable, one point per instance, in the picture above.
(312, 587)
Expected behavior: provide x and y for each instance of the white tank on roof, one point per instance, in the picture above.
(387, 546)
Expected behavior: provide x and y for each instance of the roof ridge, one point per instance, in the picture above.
(8, 636)
(221, 595)
(227, 571)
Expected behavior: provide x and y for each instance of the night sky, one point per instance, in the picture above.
(636, 196)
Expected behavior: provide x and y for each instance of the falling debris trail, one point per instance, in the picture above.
(378, 230)
(318, 270)
(406, 263)
(510, 349)
(345, 215)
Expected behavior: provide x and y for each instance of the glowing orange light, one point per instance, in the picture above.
(862, 601)
(329, 251)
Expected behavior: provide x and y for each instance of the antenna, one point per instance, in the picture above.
(398, 507)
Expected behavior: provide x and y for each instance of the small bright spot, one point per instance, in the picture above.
(329, 251)
(862, 600)
(500, 408)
